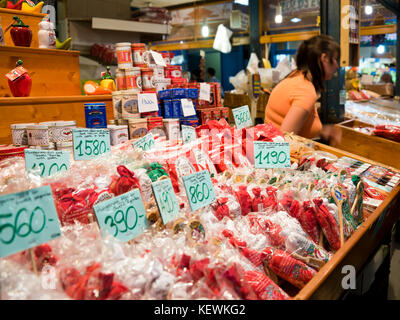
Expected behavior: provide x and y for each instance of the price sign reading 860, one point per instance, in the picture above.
(124, 217)
(242, 117)
(199, 189)
(27, 219)
(166, 200)
(271, 154)
(90, 143)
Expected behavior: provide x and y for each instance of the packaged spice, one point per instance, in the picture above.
(124, 56)
(66, 145)
(172, 130)
(120, 79)
(60, 130)
(130, 105)
(95, 115)
(158, 71)
(133, 78)
(117, 104)
(147, 79)
(137, 128)
(173, 72)
(38, 135)
(118, 134)
(19, 134)
(138, 50)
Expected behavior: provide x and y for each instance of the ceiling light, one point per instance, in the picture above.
(368, 9)
(205, 31)
(380, 49)
(278, 16)
(295, 20)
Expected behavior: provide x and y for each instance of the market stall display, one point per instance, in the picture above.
(267, 235)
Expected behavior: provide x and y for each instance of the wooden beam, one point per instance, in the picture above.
(382, 29)
(285, 37)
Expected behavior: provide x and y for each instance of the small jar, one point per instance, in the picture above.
(118, 134)
(133, 78)
(138, 50)
(38, 135)
(124, 55)
(19, 134)
(62, 131)
(120, 79)
(147, 78)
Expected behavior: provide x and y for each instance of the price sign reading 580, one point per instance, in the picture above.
(90, 143)
(27, 219)
(271, 154)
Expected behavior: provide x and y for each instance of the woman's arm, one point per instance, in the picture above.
(294, 120)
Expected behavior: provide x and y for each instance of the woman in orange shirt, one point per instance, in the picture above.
(291, 105)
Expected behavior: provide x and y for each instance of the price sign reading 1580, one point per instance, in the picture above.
(271, 154)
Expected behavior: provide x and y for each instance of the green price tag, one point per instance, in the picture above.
(124, 216)
(242, 117)
(166, 200)
(48, 162)
(271, 154)
(27, 219)
(188, 134)
(145, 143)
(199, 189)
(90, 143)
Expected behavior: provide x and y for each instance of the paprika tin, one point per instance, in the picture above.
(166, 58)
(168, 108)
(147, 78)
(158, 71)
(161, 84)
(176, 108)
(165, 94)
(120, 79)
(124, 55)
(137, 128)
(171, 127)
(178, 93)
(50, 146)
(154, 122)
(172, 72)
(61, 131)
(138, 50)
(19, 134)
(133, 78)
(118, 134)
(12, 151)
(192, 93)
(130, 105)
(117, 104)
(95, 115)
(38, 135)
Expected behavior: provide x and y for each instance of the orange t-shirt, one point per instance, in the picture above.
(294, 91)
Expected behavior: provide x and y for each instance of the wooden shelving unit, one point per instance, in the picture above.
(350, 18)
(130, 26)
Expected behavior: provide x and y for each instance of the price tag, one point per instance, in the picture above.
(188, 134)
(158, 59)
(90, 143)
(27, 219)
(15, 73)
(124, 216)
(187, 108)
(145, 143)
(199, 189)
(204, 92)
(166, 200)
(271, 154)
(48, 161)
(242, 117)
(147, 102)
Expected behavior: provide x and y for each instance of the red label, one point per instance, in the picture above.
(16, 73)
(124, 56)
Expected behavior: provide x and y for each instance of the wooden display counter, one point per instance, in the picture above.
(358, 249)
(40, 109)
(371, 147)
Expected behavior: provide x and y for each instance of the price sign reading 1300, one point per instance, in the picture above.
(271, 154)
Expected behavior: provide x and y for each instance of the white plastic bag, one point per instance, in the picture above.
(252, 66)
(239, 82)
(221, 41)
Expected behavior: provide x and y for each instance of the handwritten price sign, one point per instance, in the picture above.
(242, 117)
(124, 216)
(90, 143)
(48, 162)
(145, 143)
(27, 219)
(199, 189)
(166, 200)
(188, 134)
(271, 154)
(147, 102)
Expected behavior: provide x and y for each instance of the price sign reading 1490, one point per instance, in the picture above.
(271, 154)
(90, 143)
(124, 216)
(199, 189)
(242, 117)
(27, 219)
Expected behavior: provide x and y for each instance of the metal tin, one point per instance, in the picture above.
(161, 84)
(120, 79)
(176, 108)
(124, 55)
(165, 94)
(19, 134)
(95, 115)
(172, 72)
(178, 93)
(172, 129)
(117, 104)
(138, 50)
(133, 78)
(192, 93)
(61, 130)
(38, 135)
(137, 128)
(130, 105)
(147, 78)
(118, 134)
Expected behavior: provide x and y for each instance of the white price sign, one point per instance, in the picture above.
(204, 92)
(158, 59)
(187, 108)
(147, 102)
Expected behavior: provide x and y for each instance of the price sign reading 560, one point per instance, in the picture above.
(124, 216)
(199, 189)
(242, 117)
(27, 219)
(90, 143)
(271, 154)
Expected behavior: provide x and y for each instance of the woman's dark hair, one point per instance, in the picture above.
(309, 58)
(211, 71)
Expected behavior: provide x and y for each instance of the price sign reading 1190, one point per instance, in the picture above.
(271, 154)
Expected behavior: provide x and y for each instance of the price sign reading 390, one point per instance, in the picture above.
(27, 219)
(124, 217)
(90, 143)
(271, 154)
(199, 189)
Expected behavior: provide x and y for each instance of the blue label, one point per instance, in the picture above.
(199, 189)
(124, 217)
(46, 162)
(271, 154)
(166, 200)
(95, 115)
(90, 143)
(27, 219)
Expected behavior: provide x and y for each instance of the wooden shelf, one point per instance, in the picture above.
(130, 26)
(22, 50)
(20, 101)
(20, 13)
